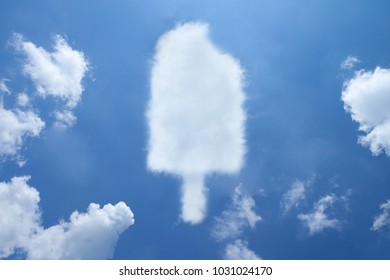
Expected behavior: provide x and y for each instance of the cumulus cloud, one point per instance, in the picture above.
(15, 125)
(229, 226)
(239, 215)
(20, 214)
(91, 235)
(367, 98)
(58, 73)
(238, 250)
(195, 114)
(349, 62)
(383, 219)
(317, 221)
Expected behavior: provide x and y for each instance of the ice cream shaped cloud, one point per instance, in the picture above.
(195, 114)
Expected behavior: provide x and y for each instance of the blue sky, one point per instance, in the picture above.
(310, 180)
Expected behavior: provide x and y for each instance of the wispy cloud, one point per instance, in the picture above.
(239, 215)
(349, 62)
(367, 97)
(229, 226)
(91, 235)
(58, 73)
(65, 118)
(295, 194)
(238, 250)
(317, 221)
(3, 87)
(383, 219)
(195, 115)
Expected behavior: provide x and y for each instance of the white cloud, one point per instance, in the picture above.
(317, 221)
(229, 226)
(15, 125)
(367, 98)
(195, 114)
(64, 118)
(58, 73)
(3, 87)
(383, 219)
(20, 215)
(294, 195)
(237, 217)
(349, 62)
(91, 235)
(193, 199)
(238, 250)
(23, 99)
